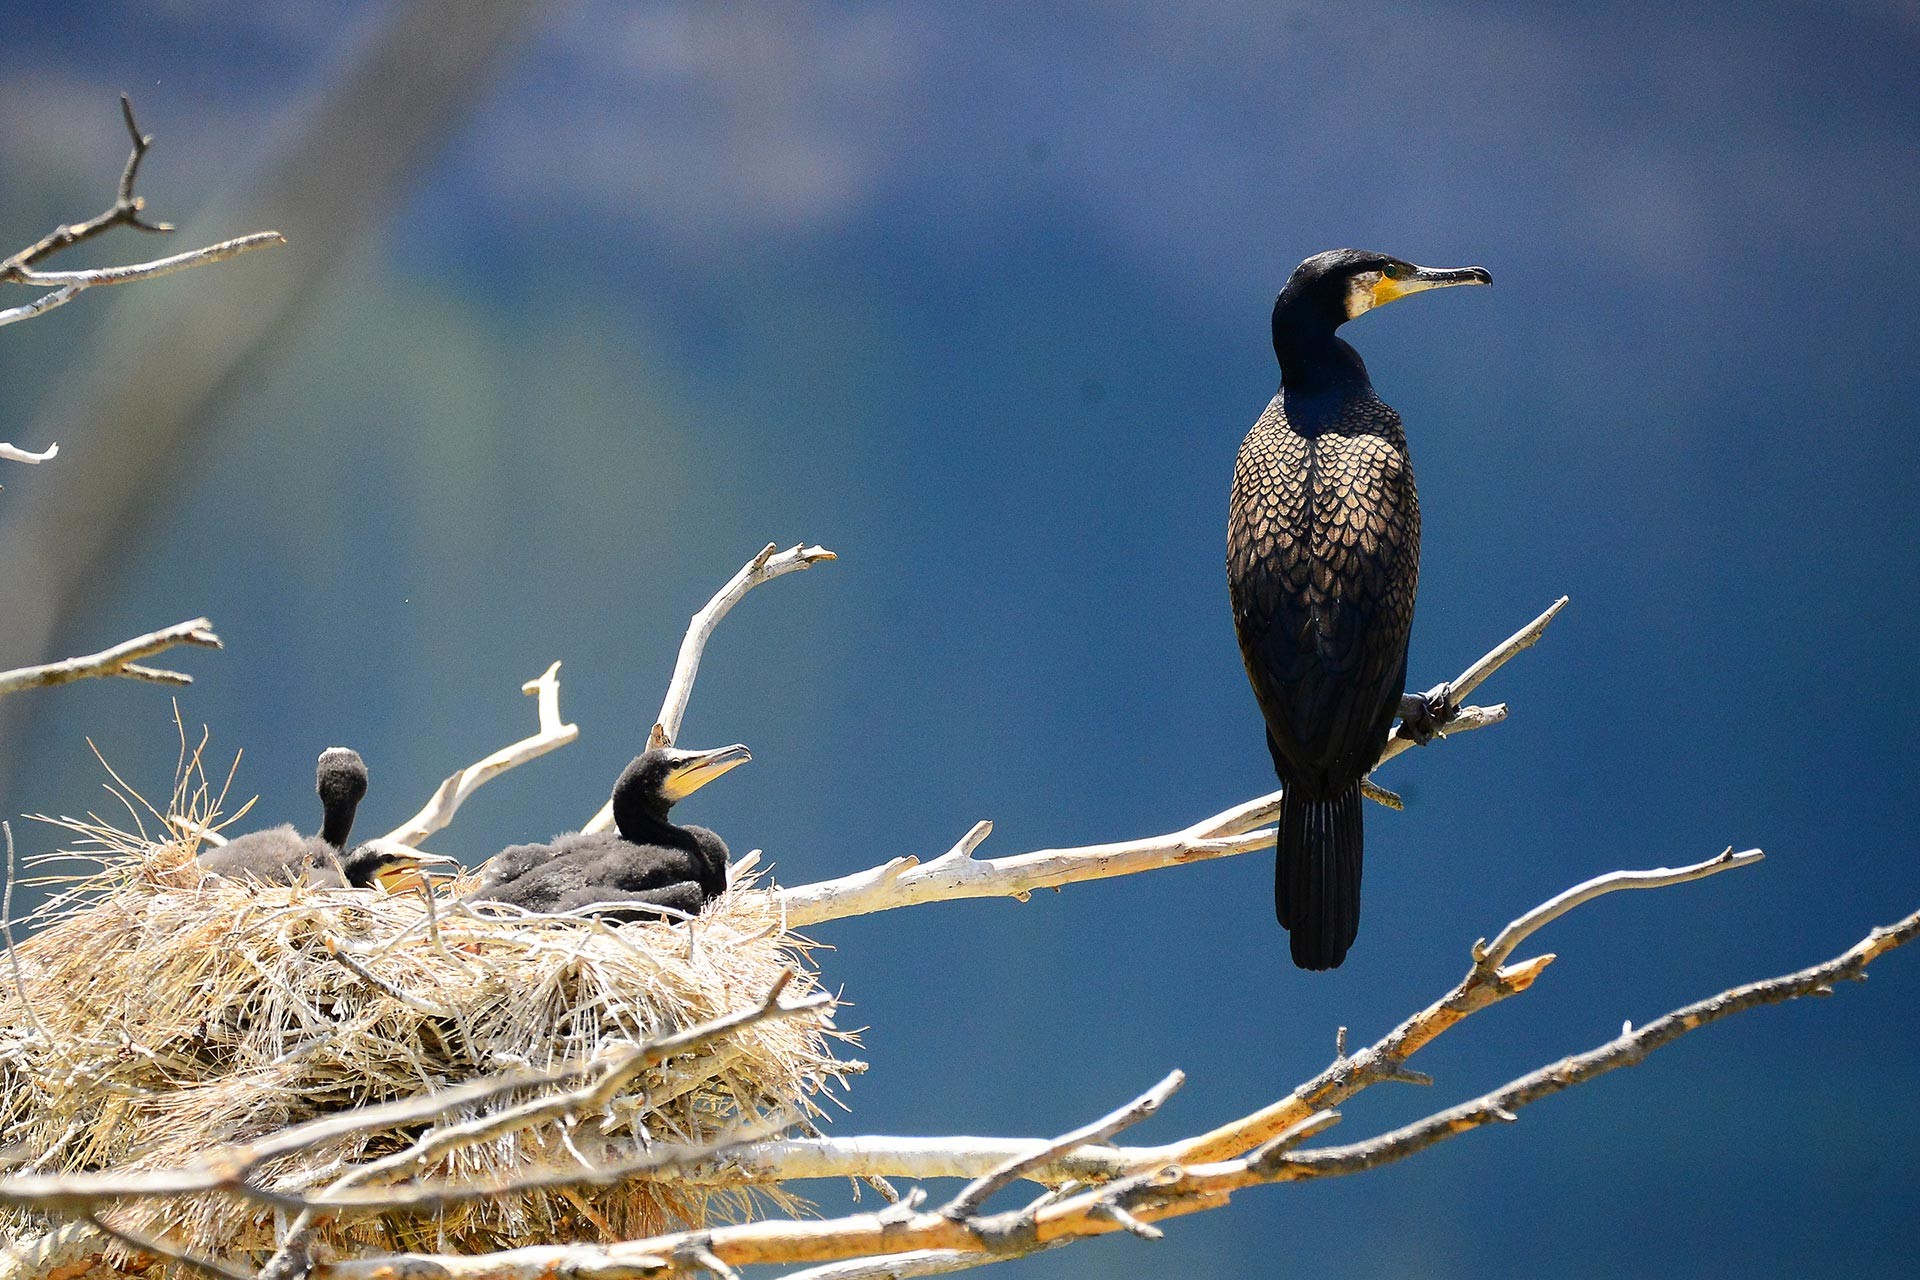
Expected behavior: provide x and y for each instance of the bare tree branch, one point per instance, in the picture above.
(125, 211)
(765, 567)
(1488, 981)
(121, 660)
(905, 881)
(13, 453)
(981, 1189)
(1132, 1188)
(453, 793)
(1523, 928)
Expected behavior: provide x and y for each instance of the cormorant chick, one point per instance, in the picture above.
(647, 862)
(281, 855)
(392, 867)
(1323, 557)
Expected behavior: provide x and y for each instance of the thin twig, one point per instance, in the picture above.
(152, 270)
(125, 211)
(13, 952)
(153, 1247)
(976, 1193)
(1521, 929)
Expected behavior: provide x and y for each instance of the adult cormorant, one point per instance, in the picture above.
(281, 855)
(646, 862)
(1323, 557)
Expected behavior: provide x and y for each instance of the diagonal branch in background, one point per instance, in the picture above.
(453, 793)
(125, 211)
(976, 1193)
(347, 144)
(1490, 980)
(765, 567)
(122, 659)
(906, 882)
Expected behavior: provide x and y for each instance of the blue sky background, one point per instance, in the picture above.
(978, 297)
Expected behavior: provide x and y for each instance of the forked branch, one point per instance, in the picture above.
(122, 659)
(453, 793)
(126, 211)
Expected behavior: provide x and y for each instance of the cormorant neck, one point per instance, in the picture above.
(641, 821)
(337, 822)
(1320, 362)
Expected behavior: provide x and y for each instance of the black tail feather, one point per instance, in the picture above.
(1316, 884)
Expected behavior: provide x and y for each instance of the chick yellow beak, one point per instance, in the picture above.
(411, 871)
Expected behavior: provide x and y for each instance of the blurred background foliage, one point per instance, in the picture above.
(978, 298)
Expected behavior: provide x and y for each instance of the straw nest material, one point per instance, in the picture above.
(157, 1014)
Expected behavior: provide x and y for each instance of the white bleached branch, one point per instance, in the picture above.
(1521, 929)
(1106, 1189)
(14, 453)
(765, 567)
(905, 882)
(122, 659)
(453, 793)
(925, 1242)
(983, 1188)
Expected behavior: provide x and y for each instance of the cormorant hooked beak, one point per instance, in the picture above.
(1395, 282)
(692, 770)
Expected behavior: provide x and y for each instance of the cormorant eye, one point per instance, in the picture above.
(1393, 271)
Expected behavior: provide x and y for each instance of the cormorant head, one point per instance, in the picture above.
(341, 780)
(1331, 288)
(393, 867)
(663, 776)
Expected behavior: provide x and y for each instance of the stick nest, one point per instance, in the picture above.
(167, 1014)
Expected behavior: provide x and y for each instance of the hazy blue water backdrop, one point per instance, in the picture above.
(978, 297)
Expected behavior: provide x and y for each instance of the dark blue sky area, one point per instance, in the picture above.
(978, 297)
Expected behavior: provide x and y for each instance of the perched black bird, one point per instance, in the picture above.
(1323, 557)
(646, 862)
(281, 855)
